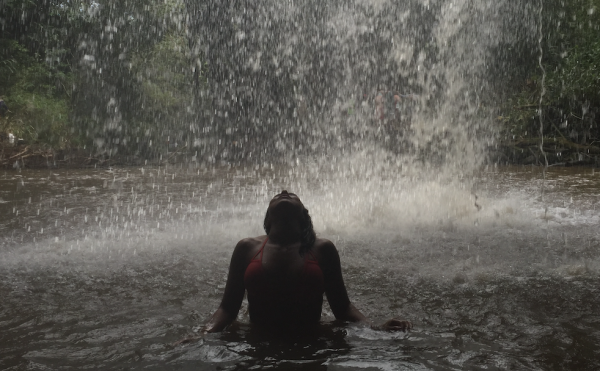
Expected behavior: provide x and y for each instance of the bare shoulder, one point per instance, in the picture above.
(325, 250)
(323, 244)
(250, 242)
(248, 247)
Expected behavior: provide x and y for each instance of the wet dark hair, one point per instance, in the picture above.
(308, 237)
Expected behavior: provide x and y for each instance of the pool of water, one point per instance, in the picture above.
(106, 269)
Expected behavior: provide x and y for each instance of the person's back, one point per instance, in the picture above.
(285, 274)
(287, 286)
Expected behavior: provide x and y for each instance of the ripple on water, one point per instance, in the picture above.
(498, 287)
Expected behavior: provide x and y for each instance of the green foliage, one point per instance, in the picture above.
(135, 78)
(80, 72)
(36, 50)
(574, 53)
(569, 85)
(36, 96)
(13, 54)
(41, 118)
(164, 74)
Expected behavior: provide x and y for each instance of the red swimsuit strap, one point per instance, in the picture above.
(307, 259)
(260, 252)
(312, 256)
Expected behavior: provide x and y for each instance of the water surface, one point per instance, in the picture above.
(105, 269)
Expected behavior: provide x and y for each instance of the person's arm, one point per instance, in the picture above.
(234, 290)
(337, 296)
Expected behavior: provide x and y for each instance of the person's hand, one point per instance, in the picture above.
(189, 339)
(396, 324)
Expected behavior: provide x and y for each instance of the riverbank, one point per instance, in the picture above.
(39, 156)
(557, 152)
(523, 152)
(36, 156)
(105, 269)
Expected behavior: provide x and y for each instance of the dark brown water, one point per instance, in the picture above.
(104, 269)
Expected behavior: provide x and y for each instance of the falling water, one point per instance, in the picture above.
(106, 268)
(542, 93)
(298, 79)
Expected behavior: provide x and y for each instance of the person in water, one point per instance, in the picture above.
(285, 274)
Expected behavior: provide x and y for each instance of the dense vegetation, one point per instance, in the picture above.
(565, 92)
(94, 75)
(141, 79)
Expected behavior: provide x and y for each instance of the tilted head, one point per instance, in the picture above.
(287, 207)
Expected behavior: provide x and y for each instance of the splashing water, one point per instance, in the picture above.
(106, 268)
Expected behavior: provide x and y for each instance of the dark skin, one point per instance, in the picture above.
(284, 264)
